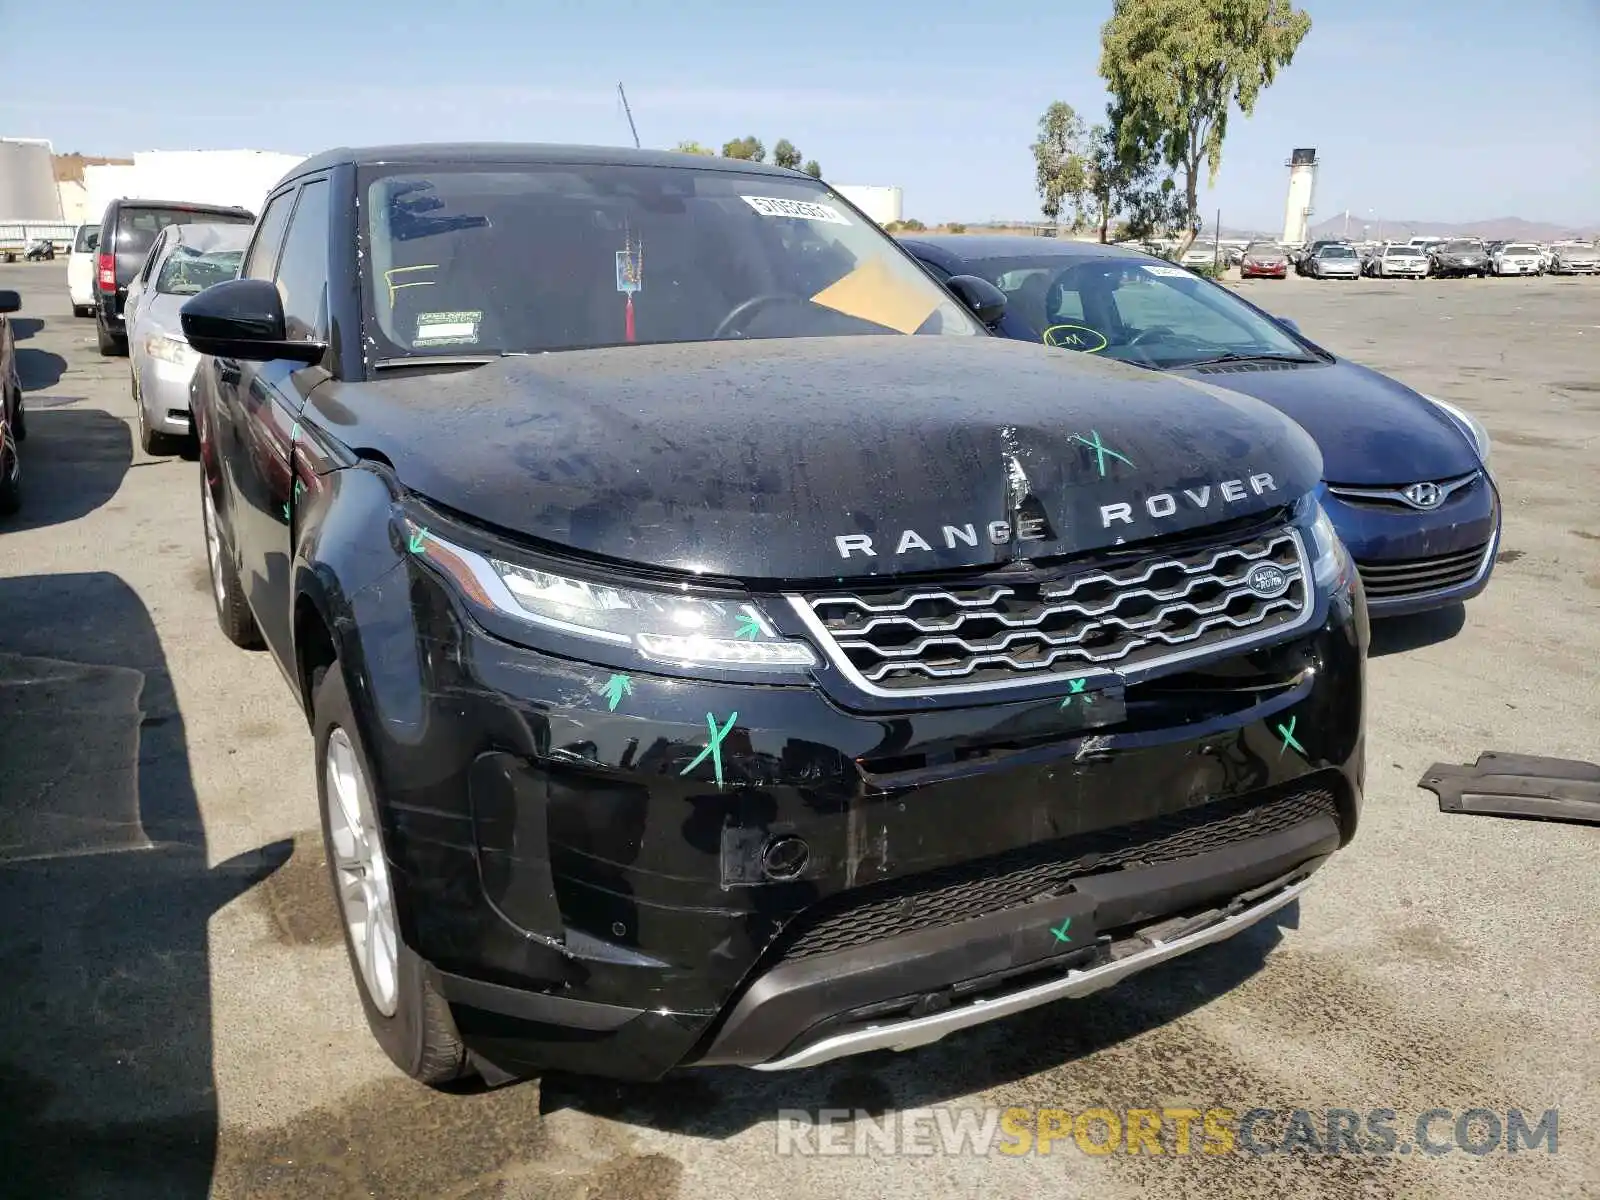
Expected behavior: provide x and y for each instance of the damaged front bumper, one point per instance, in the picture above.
(592, 892)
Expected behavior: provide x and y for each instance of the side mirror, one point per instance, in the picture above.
(982, 298)
(243, 318)
(1288, 323)
(10, 302)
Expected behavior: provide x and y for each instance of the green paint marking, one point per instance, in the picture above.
(1100, 450)
(416, 541)
(1287, 732)
(1077, 690)
(294, 434)
(285, 510)
(749, 628)
(616, 688)
(1061, 934)
(714, 747)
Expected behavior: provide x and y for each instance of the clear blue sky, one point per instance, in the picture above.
(1419, 109)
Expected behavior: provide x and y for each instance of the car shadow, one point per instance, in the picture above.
(72, 463)
(23, 328)
(39, 369)
(721, 1102)
(1396, 635)
(106, 1083)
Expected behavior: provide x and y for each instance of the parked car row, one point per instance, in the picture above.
(556, 543)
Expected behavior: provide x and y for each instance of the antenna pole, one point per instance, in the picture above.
(629, 113)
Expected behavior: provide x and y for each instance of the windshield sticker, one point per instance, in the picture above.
(447, 328)
(873, 292)
(805, 210)
(1169, 272)
(1076, 337)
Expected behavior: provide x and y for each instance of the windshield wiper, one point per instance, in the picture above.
(1235, 356)
(441, 360)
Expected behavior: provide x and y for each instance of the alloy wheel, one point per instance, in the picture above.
(366, 899)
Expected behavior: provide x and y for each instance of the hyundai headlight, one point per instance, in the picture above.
(663, 624)
(170, 349)
(1469, 425)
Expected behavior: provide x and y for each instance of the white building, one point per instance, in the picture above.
(1301, 201)
(882, 204)
(241, 177)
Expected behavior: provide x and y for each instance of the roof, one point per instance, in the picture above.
(1013, 245)
(528, 153)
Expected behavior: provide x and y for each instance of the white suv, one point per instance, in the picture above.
(80, 269)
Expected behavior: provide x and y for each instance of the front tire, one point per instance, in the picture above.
(154, 441)
(10, 473)
(410, 1020)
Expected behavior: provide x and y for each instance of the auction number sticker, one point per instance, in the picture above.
(1170, 272)
(806, 210)
(447, 328)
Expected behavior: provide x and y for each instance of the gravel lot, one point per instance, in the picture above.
(176, 1012)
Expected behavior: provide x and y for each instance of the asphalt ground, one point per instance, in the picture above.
(177, 1017)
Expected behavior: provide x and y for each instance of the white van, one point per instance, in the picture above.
(80, 269)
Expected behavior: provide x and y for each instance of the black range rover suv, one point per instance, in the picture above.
(718, 647)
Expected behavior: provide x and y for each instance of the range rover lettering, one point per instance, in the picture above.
(718, 647)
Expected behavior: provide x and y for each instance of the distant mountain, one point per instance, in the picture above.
(1511, 228)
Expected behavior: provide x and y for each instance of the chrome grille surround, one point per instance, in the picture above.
(1386, 497)
(1074, 622)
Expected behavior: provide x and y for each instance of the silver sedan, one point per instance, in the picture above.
(185, 260)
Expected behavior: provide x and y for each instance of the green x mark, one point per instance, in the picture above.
(1287, 732)
(1077, 690)
(1061, 934)
(1100, 450)
(713, 748)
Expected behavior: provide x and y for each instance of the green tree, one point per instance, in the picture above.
(813, 168)
(1177, 67)
(1060, 162)
(1133, 183)
(749, 148)
(691, 148)
(785, 155)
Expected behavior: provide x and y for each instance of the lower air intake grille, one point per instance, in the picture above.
(1396, 579)
(1130, 611)
(975, 889)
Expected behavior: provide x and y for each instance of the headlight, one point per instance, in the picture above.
(665, 625)
(170, 349)
(1469, 425)
(1330, 561)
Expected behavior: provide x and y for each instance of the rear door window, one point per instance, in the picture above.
(87, 240)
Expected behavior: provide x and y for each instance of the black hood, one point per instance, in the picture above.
(753, 459)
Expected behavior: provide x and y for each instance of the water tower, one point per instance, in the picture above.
(1297, 209)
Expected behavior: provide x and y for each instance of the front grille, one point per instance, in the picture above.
(1416, 576)
(1036, 872)
(1135, 612)
(1364, 496)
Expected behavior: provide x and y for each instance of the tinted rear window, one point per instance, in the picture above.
(137, 227)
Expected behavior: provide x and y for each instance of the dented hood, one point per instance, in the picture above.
(826, 457)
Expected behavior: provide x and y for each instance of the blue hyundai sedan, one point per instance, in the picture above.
(1406, 476)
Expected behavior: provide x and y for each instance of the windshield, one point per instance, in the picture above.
(1146, 313)
(1337, 252)
(1462, 247)
(188, 270)
(1403, 252)
(521, 259)
(1519, 249)
(1263, 249)
(88, 238)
